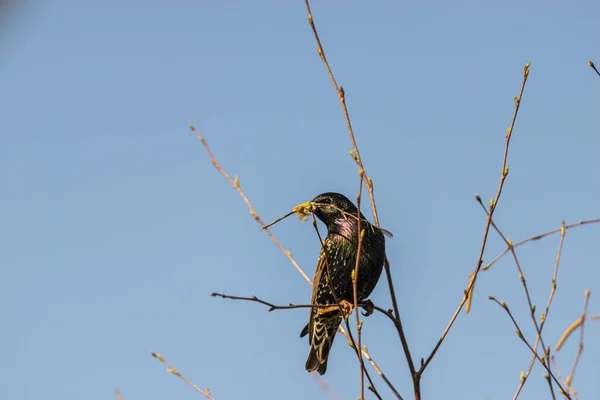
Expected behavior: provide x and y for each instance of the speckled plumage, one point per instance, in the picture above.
(339, 214)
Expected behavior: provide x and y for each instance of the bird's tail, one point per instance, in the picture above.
(321, 339)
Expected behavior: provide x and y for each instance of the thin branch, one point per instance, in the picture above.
(539, 338)
(544, 316)
(341, 95)
(376, 367)
(366, 305)
(173, 371)
(118, 394)
(273, 307)
(236, 184)
(468, 293)
(520, 335)
(591, 64)
(355, 153)
(360, 234)
(503, 175)
(398, 323)
(576, 324)
(538, 237)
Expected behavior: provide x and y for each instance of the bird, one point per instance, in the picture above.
(338, 260)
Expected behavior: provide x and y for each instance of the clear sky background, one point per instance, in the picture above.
(115, 226)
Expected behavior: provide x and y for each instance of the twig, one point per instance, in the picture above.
(236, 184)
(538, 237)
(119, 395)
(539, 338)
(173, 371)
(398, 323)
(520, 335)
(272, 307)
(591, 64)
(376, 367)
(368, 305)
(544, 316)
(341, 95)
(360, 234)
(468, 293)
(355, 153)
(503, 175)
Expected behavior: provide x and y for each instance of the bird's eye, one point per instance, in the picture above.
(325, 200)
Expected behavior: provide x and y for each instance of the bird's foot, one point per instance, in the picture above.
(346, 307)
(369, 307)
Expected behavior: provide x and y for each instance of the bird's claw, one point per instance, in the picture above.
(369, 308)
(346, 307)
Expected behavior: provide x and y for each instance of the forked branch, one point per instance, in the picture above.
(468, 293)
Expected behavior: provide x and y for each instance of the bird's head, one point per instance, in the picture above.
(331, 208)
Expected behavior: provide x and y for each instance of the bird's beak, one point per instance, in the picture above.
(303, 210)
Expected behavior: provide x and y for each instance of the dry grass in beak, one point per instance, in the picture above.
(304, 210)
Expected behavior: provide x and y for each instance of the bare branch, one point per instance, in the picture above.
(355, 287)
(591, 64)
(355, 153)
(376, 367)
(173, 371)
(236, 184)
(468, 293)
(342, 97)
(538, 237)
(544, 316)
(539, 338)
(520, 334)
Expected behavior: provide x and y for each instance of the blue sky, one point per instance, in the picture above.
(116, 227)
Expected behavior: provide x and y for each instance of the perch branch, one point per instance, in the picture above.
(355, 153)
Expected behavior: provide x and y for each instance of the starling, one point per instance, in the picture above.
(338, 258)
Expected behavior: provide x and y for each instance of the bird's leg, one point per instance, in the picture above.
(369, 307)
(346, 307)
(328, 310)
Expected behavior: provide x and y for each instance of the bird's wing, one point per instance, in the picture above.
(315, 290)
(320, 273)
(332, 253)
